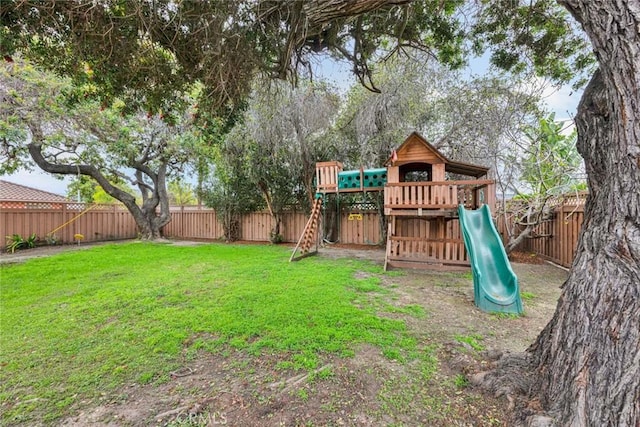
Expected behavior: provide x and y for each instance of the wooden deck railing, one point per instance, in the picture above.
(327, 176)
(438, 195)
(430, 250)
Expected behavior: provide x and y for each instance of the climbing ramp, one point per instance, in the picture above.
(495, 285)
(309, 234)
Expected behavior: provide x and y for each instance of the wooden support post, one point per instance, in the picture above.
(391, 229)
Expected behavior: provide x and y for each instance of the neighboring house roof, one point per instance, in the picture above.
(416, 148)
(16, 192)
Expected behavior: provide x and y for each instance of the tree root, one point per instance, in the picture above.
(510, 376)
(292, 382)
(513, 377)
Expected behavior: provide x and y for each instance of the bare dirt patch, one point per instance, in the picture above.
(237, 389)
(525, 258)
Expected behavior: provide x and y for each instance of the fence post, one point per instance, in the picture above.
(64, 219)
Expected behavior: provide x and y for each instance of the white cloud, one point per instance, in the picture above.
(563, 101)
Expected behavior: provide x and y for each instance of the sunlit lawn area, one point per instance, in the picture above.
(87, 322)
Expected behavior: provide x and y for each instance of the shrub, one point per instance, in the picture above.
(52, 239)
(276, 238)
(16, 241)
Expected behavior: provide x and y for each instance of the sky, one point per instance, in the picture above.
(563, 102)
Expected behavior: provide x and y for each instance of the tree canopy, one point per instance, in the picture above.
(146, 53)
(115, 149)
(275, 146)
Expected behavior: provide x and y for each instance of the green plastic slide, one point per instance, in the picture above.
(495, 285)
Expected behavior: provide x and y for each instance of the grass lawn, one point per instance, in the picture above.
(82, 324)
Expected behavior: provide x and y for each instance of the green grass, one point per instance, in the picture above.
(460, 381)
(472, 340)
(414, 310)
(503, 316)
(85, 323)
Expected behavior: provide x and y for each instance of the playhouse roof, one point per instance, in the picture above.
(416, 149)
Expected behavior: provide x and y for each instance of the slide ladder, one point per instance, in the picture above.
(309, 233)
(495, 285)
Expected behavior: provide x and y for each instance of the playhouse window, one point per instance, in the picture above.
(415, 172)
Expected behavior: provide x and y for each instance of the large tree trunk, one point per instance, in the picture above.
(153, 196)
(589, 354)
(588, 357)
(149, 223)
(585, 365)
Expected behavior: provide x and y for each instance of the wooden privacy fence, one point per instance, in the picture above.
(65, 219)
(557, 239)
(554, 240)
(189, 222)
(114, 222)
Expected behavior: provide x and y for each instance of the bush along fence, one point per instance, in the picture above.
(65, 223)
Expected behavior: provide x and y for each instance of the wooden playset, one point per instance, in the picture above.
(422, 192)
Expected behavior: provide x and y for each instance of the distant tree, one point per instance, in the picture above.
(39, 124)
(181, 193)
(309, 111)
(269, 171)
(372, 124)
(102, 197)
(83, 186)
(552, 163)
(551, 167)
(280, 139)
(477, 119)
(228, 188)
(472, 119)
